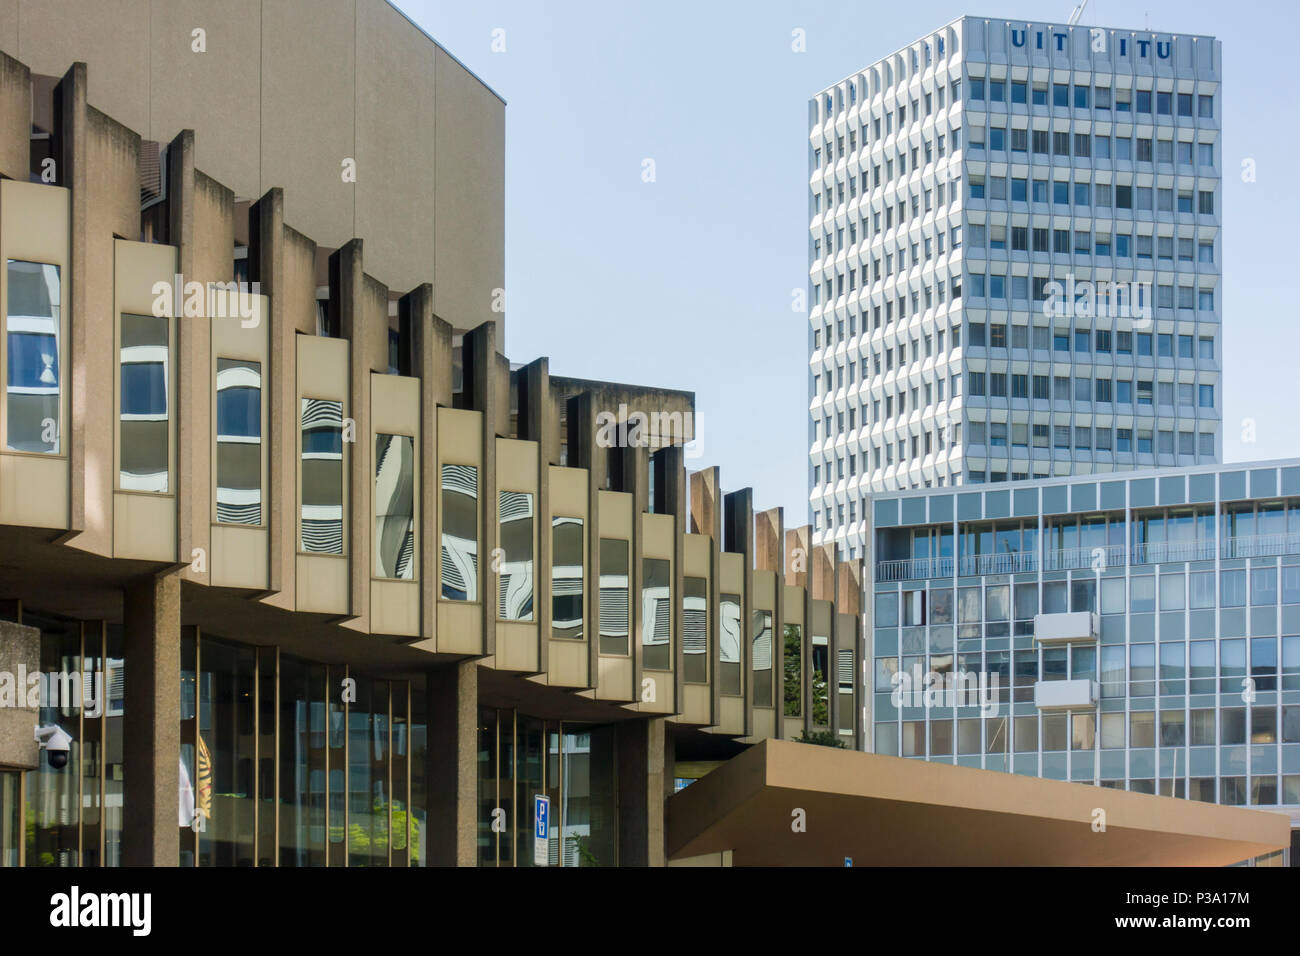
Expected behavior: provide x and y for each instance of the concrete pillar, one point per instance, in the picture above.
(20, 654)
(151, 722)
(642, 788)
(453, 764)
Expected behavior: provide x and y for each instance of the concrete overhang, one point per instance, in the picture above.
(888, 811)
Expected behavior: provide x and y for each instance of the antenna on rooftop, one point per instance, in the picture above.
(1078, 12)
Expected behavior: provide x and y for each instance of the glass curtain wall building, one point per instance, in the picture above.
(1137, 631)
(1014, 262)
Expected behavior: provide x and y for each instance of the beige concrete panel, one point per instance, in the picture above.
(323, 369)
(460, 628)
(516, 646)
(516, 465)
(655, 695)
(239, 556)
(698, 552)
(112, 39)
(138, 267)
(569, 491)
(34, 491)
(395, 405)
(35, 222)
(396, 105)
(791, 727)
(764, 723)
(731, 715)
(395, 607)
(469, 253)
(305, 103)
(614, 682)
(144, 526)
(696, 709)
(615, 514)
(820, 624)
(323, 583)
(657, 536)
(567, 663)
(764, 590)
(216, 92)
(794, 605)
(731, 572)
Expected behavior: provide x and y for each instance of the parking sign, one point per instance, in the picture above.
(541, 829)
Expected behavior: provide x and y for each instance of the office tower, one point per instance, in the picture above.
(1015, 262)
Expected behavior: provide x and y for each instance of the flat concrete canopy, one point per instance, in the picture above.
(888, 811)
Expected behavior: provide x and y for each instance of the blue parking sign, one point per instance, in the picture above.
(541, 829)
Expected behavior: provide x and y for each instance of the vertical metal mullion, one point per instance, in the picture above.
(81, 748)
(198, 735)
(275, 765)
(347, 768)
(257, 752)
(388, 781)
(103, 741)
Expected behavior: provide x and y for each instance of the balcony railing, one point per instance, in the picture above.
(1097, 559)
(1261, 545)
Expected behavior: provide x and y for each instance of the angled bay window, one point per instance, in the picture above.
(145, 369)
(656, 614)
(322, 476)
(32, 341)
(729, 638)
(695, 630)
(460, 532)
(566, 578)
(394, 506)
(614, 616)
(239, 442)
(515, 579)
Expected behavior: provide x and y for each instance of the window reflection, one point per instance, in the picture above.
(566, 577)
(656, 614)
(322, 476)
(239, 442)
(144, 451)
(729, 638)
(394, 506)
(613, 596)
(515, 578)
(460, 532)
(32, 341)
(821, 674)
(762, 658)
(792, 669)
(695, 630)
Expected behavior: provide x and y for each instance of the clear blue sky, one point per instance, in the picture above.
(686, 282)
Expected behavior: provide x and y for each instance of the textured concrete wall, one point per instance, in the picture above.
(286, 91)
(20, 654)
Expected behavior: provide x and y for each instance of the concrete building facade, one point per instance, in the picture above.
(308, 577)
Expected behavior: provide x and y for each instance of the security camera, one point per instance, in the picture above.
(56, 742)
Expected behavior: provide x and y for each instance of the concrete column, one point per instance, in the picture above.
(642, 788)
(20, 654)
(151, 722)
(453, 765)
